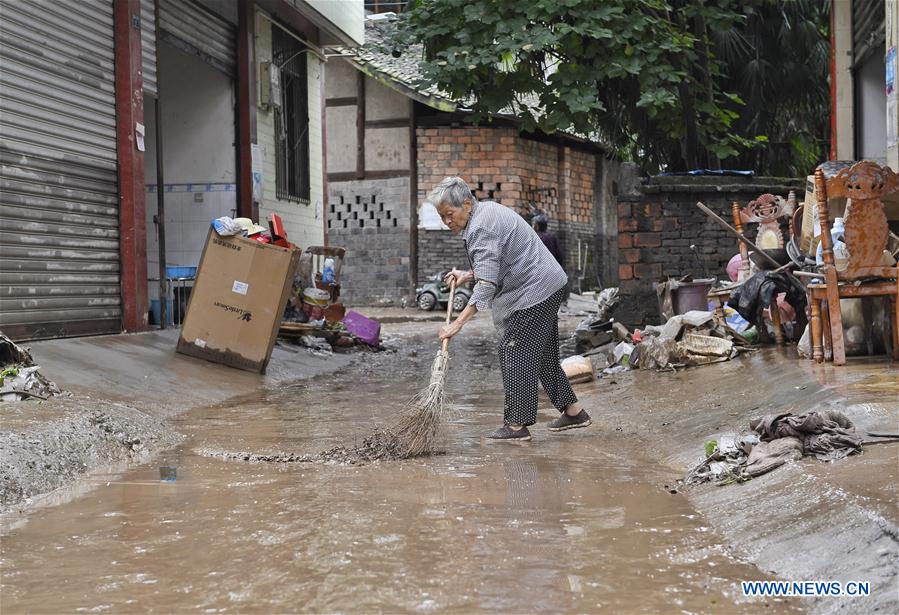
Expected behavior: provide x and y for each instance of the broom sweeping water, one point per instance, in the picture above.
(416, 430)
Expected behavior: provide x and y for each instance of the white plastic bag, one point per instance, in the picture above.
(226, 226)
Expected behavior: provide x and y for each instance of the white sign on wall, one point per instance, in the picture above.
(429, 219)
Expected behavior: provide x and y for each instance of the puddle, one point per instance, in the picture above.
(562, 524)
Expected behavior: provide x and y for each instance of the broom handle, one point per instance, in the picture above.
(449, 311)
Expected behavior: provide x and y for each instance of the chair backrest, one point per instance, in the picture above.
(866, 229)
(766, 210)
(320, 253)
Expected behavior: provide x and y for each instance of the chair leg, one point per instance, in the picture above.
(893, 310)
(835, 318)
(825, 321)
(817, 346)
(868, 322)
(775, 320)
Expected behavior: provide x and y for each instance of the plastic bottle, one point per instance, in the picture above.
(328, 271)
(840, 252)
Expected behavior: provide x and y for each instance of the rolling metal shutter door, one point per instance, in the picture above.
(198, 31)
(59, 222)
(148, 45)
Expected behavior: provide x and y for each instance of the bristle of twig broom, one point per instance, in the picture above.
(416, 431)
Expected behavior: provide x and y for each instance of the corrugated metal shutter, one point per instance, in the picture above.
(148, 45)
(59, 222)
(197, 30)
(868, 30)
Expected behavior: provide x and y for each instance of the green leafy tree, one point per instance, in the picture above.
(778, 62)
(641, 75)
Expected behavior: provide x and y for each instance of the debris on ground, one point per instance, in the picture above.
(578, 368)
(596, 329)
(381, 446)
(693, 338)
(777, 439)
(20, 378)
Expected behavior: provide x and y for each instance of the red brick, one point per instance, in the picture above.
(624, 210)
(652, 210)
(645, 271)
(625, 272)
(627, 224)
(630, 255)
(646, 240)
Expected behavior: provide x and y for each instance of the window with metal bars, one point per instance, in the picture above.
(292, 119)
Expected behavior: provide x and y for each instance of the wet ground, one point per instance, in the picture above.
(579, 521)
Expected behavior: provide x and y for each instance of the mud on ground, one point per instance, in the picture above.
(61, 439)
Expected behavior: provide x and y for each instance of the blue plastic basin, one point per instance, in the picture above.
(176, 271)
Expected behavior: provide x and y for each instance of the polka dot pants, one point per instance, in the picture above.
(528, 353)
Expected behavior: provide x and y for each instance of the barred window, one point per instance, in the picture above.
(292, 119)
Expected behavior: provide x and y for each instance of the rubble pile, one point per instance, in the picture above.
(20, 378)
(686, 340)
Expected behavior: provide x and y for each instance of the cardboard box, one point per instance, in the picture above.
(237, 302)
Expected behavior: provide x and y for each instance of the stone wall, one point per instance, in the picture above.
(370, 218)
(659, 221)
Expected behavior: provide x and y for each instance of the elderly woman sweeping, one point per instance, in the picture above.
(519, 279)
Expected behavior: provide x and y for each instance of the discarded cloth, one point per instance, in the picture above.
(828, 435)
(759, 292)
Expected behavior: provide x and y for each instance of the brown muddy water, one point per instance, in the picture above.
(563, 523)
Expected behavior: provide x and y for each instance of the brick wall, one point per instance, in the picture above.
(658, 224)
(370, 218)
(501, 165)
(439, 251)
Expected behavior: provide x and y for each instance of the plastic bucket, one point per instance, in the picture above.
(691, 296)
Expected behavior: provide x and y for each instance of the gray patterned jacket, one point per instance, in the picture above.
(513, 268)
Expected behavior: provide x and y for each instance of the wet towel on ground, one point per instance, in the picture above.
(827, 435)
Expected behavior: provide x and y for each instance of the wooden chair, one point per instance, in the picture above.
(319, 254)
(866, 237)
(766, 210)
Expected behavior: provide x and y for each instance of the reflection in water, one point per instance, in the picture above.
(560, 524)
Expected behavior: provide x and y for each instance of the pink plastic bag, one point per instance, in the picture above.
(366, 329)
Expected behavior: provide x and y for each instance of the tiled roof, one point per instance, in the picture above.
(404, 72)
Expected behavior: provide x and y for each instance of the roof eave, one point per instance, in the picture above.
(435, 102)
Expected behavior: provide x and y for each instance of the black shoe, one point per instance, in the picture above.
(582, 419)
(507, 433)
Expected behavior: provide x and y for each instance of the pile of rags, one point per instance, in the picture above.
(827, 434)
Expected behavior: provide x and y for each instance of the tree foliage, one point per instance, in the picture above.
(778, 62)
(645, 76)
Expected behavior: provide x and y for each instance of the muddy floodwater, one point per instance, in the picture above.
(564, 523)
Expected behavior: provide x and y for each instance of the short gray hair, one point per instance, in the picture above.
(452, 190)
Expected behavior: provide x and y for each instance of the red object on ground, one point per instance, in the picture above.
(637, 336)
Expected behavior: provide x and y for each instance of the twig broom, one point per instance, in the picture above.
(418, 426)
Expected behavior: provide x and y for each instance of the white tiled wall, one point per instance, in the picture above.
(188, 215)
